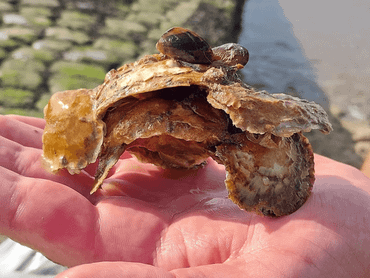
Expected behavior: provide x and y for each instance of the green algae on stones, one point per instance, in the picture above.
(22, 34)
(62, 34)
(123, 50)
(11, 97)
(76, 20)
(36, 16)
(71, 75)
(20, 73)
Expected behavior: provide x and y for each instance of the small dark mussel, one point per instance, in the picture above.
(185, 45)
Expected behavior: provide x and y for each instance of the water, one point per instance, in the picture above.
(277, 63)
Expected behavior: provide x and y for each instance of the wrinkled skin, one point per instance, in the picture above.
(150, 222)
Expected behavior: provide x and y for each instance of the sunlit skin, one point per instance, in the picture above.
(150, 222)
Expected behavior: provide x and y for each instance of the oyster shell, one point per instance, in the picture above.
(175, 114)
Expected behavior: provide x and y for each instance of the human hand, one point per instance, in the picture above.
(150, 222)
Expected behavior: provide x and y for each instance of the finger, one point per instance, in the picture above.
(115, 269)
(54, 219)
(22, 132)
(69, 229)
(36, 122)
(28, 162)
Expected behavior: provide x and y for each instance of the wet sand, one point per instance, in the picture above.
(326, 44)
(335, 38)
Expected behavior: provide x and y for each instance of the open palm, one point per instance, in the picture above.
(150, 222)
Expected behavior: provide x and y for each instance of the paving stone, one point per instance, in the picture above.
(91, 55)
(81, 5)
(71, 75)
(27, 52)
(124, 29)
(18, 73)
(5, 7)
(54, 45)
(14, 19)
(153, 5)
(148, 18)
(25, 35)
(96, 56)
(61, 33)
(74, 55)
(122, 10)
(24, 53)
(7, 43)
(45, 3)
(37, 16)
(76, 20)
(78, 69)
(123, 50)
(180, 14)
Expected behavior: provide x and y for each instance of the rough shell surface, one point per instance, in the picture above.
(231, 54)
(175, 114)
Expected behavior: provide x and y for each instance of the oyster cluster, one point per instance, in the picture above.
(175, 114)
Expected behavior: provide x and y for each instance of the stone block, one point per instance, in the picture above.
(148, 18)
(61, 33)
(26, 74)
(45, 3)
(37, 16)
(14, 19)
(123, 29)
(71, 75)
(27, 52)
(54, 45)
(182, 12)
(76, 20)
(92, 56)
(23, 34)
(6, 7)
(123, 50)
(7, 43)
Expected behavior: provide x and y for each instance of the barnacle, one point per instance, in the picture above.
(176, 114)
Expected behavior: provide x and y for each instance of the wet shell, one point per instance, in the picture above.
(176, 115)
(231, 54)
(185, 45)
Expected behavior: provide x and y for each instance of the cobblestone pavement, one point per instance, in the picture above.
(52, 45)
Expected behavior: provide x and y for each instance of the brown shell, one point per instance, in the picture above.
(176, 115)
(185, 45)
(231, 54)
